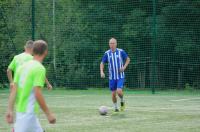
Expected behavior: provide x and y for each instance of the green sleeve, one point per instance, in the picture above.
(12, 65)
(39, 77)
(16, 77)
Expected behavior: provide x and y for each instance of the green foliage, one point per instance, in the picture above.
(83, 29)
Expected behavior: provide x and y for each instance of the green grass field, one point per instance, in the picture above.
(77, 111)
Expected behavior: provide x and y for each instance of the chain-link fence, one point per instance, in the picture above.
(162, 39)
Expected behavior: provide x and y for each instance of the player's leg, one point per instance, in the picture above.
(121, 96)
(36, 125)
(22, 123)
(26, 122)
(113, 88)
(120, 84)
(114, 99)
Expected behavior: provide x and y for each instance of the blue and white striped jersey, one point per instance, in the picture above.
(115, 61)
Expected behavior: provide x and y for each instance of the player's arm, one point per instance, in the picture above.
(9, 75)
(10, 70)
(38, 83)
(49, 86)
(12, 97)
(103, 61)
(41, 101)
(127, 61)
(102, 70)
(11, 102)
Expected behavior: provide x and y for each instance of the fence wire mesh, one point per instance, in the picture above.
(162, 40)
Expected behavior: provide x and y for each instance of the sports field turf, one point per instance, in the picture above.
(77, 111)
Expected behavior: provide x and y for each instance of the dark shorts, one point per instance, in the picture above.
(114, 84)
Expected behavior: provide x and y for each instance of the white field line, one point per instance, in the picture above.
(86, 95)
(177, 100)
(64, 96)
(2, 94)
(129, 108)
(57, 97)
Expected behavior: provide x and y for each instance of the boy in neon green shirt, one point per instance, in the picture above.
(19, 60)
(28, 82)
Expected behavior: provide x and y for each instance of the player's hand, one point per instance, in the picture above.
(9, 117)
(122, 69)
(51, 118)
(102, 75)
(49, 87)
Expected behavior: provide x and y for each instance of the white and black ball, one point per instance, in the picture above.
(103, 110)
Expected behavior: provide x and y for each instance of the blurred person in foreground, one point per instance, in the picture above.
(26, 92)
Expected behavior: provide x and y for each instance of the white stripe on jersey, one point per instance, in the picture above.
(120, 62)
(109, 66)
(113, 66)
(116, 65)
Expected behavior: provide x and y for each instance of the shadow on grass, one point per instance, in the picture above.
(118, 115)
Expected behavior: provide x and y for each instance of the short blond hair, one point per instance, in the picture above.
(29, 44)
(113, 39)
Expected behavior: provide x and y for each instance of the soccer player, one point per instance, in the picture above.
(115, 58)
(20, 59)
(27, 92)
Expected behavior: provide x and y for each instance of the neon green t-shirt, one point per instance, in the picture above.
(28, 76)
(19, 60)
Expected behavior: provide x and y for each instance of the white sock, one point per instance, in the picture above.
(115, 106)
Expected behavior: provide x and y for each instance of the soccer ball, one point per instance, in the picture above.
(103, 110)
